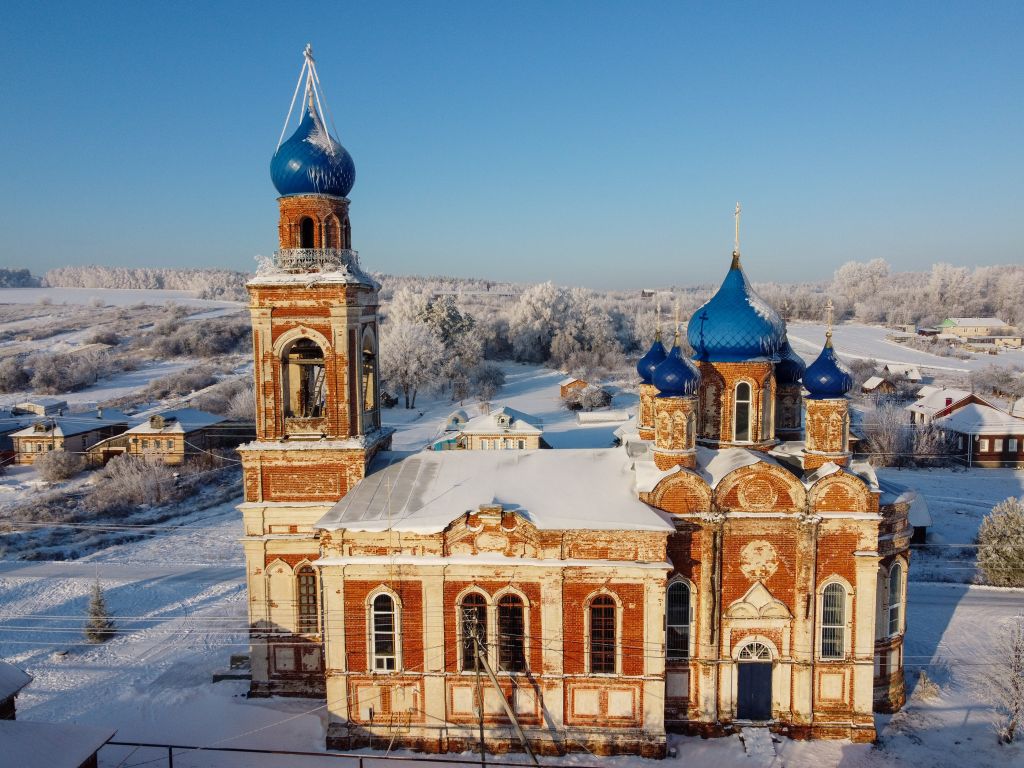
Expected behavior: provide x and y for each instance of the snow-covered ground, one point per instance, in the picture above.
(114, 297)
(853, 341)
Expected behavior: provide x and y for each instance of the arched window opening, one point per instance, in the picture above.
(346, 233)
(332, 233)
(511, 634)
(895, 599)
(833, 622)
(767, 413)
(755, 651)
(306, 233)
(741, 413)
(385, 657)
(677, 620)
(473, 617)
(602, 635)
(304, 380)
(369, 373)
(306, 578)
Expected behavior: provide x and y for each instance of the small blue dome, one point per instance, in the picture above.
(655, 355)
(311, 162)
(790, 368)
(827, 378)
(735, 324)
(676, 376)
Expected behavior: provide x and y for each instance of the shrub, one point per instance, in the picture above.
(129, 481)
(55, 466)
(587, 398)
(103, 337)
(54, 373)
(181, 383)
(1001, 544)
(13, 376)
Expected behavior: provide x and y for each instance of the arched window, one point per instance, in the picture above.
(306, 233)
(767, 413)
(332, 232)
(473, 617)
(306, 579)
(304, 381)
(895, 599)
(741, 413)
(369, 373)
(755, 651)
(384, 634)
(677, 621)
(511, 634)
(833, 622)
(602, 635)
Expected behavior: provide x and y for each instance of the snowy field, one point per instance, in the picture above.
(113, 297)
(855, 341)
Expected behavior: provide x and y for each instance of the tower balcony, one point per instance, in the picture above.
(298, 260)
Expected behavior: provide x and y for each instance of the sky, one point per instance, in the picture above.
(602, 144)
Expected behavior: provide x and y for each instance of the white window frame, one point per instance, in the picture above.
(997, 445)
(894, 608)
(461, 666)
(396, 631)
(1012, 444)
(492, 619)
(749, 402)
(691, 604)
(618, 633)
(843, 626)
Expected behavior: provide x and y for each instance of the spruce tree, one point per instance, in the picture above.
(100, 627)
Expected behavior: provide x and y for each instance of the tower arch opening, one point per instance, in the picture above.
(307, 233)
(304, 380)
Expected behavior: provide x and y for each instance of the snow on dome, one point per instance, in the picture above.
(827, 378)
(655, 356)
(311, 162)
(735, 324)
(676, 376)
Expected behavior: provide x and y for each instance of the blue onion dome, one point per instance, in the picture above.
(790, 368)
(735, 325)
(311, 162)
(676, 376)
(655, 355)
(827, 378)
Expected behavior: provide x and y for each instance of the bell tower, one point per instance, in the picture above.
(315, 347)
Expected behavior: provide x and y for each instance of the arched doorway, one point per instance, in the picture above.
(754, 683)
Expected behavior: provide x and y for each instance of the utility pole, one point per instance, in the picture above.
(482, 661)
(472, 627)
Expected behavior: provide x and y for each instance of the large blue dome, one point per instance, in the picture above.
(790, 368)
(311, 162)
(676, 376)
(735, 325)
(655, 355)
(827, 378)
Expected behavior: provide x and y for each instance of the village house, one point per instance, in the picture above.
(706, 575)
(173, 437)
(41, 406)
(502, 429)
(910, 373)
(877, 385)
(565, 386)
(985, 436)
(940, 402)
(73, 432)
(974, 327)
(12, 680)
(9, 424)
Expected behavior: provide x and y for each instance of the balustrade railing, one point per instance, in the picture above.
(315, 259)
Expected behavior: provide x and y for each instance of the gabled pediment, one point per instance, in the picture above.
(758, 603)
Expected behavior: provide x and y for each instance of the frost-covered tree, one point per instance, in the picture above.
(859, 281)
(1000, 681)
(488, 379)
(13, 376)
(410, 358)
(55, 466)
(1001, 544)
(535, 320)
(100, 626)
(888, 435)
(127, 482)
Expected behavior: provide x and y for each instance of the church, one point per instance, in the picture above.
(727, 565)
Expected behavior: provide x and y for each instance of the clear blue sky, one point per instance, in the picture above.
(601, 144)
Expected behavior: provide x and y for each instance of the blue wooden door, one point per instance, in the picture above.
(754, 691)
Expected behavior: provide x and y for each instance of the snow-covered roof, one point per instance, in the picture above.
(712, 465)
(936, 401)
(75, 423)
(976, 419)
(990, 322)
(12, 680)
(568, 489)
(26, 744)
(601, 417)
(43, 400)
(571, 380)
(181, 420)
(873, 382)
(926, 390)
(908, 371)
(505, 421)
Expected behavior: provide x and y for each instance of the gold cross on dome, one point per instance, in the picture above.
(677, 321)
(736, 244)
(829, 308)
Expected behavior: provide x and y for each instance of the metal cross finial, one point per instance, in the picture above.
(677, 322)
(829, 309)
(308, 52)
(657, 327)
(736, 244)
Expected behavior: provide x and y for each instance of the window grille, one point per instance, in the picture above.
(755, 652)
(385, 658)
(602, 635)
(511, 634)
(895, 599)
(307, 599)
(833, 622)
(677, 621)
(473, 615)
